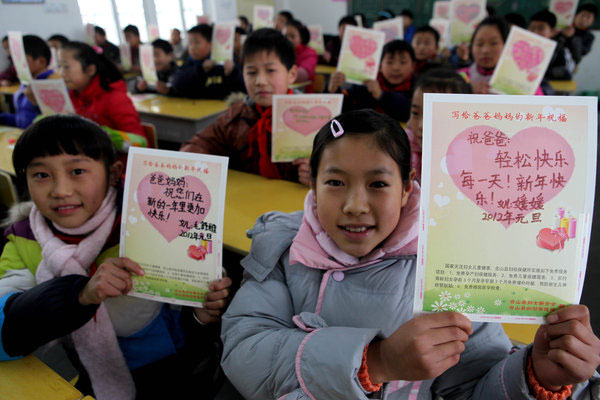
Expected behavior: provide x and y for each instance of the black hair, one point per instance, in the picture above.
(163, 45)
(588, 7)
(132, 29)
(386, 132)
(105, 69)
(244, 19)
(269, 40)
(100, 31)
(544, 16)
(398, 46)
(442, 80)
(302, 30)
(5, 38)
(60, 38)
(288, 15)
(59, 134)
(497, 22)
(36, 47)
(428, 29)
(384, 14)
(240, 30)
(176, 29)
(203, 30)
(407, 13)
(491, 10)
(348, 20)
(516, 19)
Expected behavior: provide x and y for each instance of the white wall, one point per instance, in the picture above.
(53, 16)
(587, 76)
(326, 13)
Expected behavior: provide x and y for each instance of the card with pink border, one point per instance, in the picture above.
(564, 10)
(393, 28)
(360, 54)
(263, 16)
(296, 120)
(316, 38)
(172, 223)
(442, 26)
(441, 9)
(19, 58)
(222, 43)
(523, 63)
(147, 64)
(52, 96)
(507, 200)
(465, 15)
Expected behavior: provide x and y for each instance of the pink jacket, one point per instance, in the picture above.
(306, 60)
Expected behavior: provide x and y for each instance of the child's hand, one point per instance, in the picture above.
(30, 96)
(336, 80)
(568, 31)
(480, 87)
(141, 85)
(303, 170)
(228, 67)
(216, 302)
(326, 56)
(112, 279)
(374, 88)
(162, 88)
(4, 82)
(208, 65)
(462, 51)
(423, 348)
(565, 351)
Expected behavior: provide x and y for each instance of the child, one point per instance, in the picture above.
(177, 43)
(487, 44)
(562, 65)
(200, 77)
(407, 20)
(243, 131)
(57, 41)
(333, 46)
(132, 37)
(325, 311)
(237, 45)
(578, 38)
(425, 43)
(165, 68)
(109, 50)
(282, 19)
(391, 92)
(60, 270)
(306, 57)
(9, 75)
(38, 58)
(245, 24)
(437, 80)
(97, 89)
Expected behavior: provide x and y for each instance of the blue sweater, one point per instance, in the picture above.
(25, 110)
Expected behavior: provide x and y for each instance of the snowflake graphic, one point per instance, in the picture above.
(480, 310)
(467, 295)
(470, 309)
(452, 306)
(457, 296)
(445, 295)
(498, 302)
(439, 306)
(462, 303)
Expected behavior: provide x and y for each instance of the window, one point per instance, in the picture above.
(191, 10)
(100, 12)
(168, 14)
(131, 12)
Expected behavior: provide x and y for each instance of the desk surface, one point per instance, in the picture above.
(12, 89)
(29, 378)
(325, 69)
(564, 86)
(249, 196)
(177, 107)
(8, 137)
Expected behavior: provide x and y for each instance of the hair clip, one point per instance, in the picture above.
(340, 131)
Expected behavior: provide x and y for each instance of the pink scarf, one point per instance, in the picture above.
(96, 341)
(313, 247)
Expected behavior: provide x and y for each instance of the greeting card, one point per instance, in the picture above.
(393, 28)
(153, 32)
(564, 10)
(53, 65)
(523, 62)
(147, 64)
(90, 34)
(316, 38)
(125, 52)
(442, 26)
(17, 53)
(464, 17)
(297, 119)
(52, 96)
(360, 54)
(507, 201)
(203, 19)
(441, 10)
(222, 42)
(263, 16)
(172, 223)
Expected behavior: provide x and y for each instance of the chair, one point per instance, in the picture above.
(8, 194)
(150, 132)
(319, 83)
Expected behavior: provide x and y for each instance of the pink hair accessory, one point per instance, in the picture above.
(335, 124)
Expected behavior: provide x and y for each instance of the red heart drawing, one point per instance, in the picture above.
(315, 34)
(196, 252)
(527, 56)
(147, 59)
(264, 14)
(391, 33)
(443, 10)
(500, 178)
(223, 35)
(551, 239)
(306, 122)
(53, 99)
(154, 190)
(362, 48)
(467, 13)
(563, 7)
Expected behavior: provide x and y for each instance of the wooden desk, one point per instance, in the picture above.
(325, 69)
(29, 378)
(8, 137)
(249, 196)
(520, 333)
(9, 90)
(177, 119)
(564, 87)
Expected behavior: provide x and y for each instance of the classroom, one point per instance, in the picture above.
(291, 199)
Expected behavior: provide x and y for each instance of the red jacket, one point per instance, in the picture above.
(113, 108)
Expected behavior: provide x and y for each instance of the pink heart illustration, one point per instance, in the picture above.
(563, 7)
(17, 51)
(223, 35)
(264, 14)
(191, 203)
(305, 121)
(362, 48)
(203, 19)
(196, 252)
(147, 59)
(314, 35)
(527, 56)
(467, 13)
(53, 99)
(443, 10)
(517, 175)
(391, 33)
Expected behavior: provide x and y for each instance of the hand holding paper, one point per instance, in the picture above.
(216, 302)
(112, 279)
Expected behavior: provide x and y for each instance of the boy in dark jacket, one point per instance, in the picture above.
(391, 92)
(164, 60)
(578, 38)
(109, 50)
